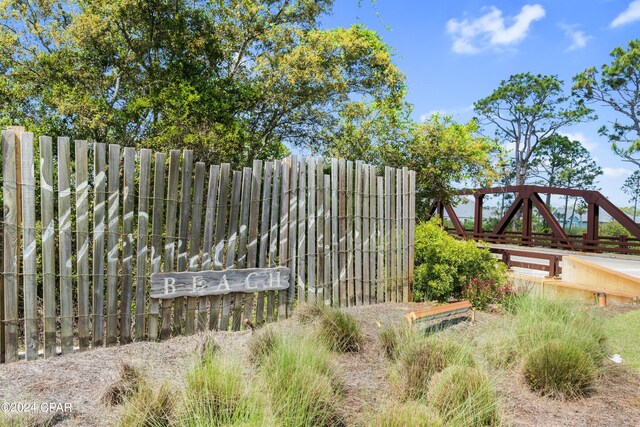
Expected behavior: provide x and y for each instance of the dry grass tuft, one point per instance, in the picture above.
(208, 348)
(308, 313)
(128, 383)
(150, 407)
(262, 344)
(406, 414)
(420, 361)
(340, 331)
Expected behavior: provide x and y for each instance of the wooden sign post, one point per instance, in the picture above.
(202, 283)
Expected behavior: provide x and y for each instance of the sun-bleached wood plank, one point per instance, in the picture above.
(342, 230)
(284, 232)
(183, 234)
(302, 235)
(82, 242)
(99, 233)
(252, 244)
(143, 242)
(170, 235)
(293, 231)
(128, 203)
(156, 236)
(273, 233)
(218, 252)
(113, 237)
(264, 236)
(234, 214)
(48, 245)
(208, 236)
(351, 289)
(29, 258)
(192, 323)
(64, 246)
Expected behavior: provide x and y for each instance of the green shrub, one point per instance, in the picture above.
(302, 385)
(407, 414)
(446, 266)
(149, 407)
(463, 395)
(340, 331)
(559, 369)
(420, 361)
(215, 394)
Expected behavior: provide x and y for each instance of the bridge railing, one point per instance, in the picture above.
(578, 242)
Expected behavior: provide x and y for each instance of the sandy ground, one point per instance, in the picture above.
(81, 378)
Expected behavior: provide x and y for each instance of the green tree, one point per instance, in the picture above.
(561, 162)
(443, 153)
(525, 110)
(617, 85)
(232, 80)
(580, 172)
(631, 187)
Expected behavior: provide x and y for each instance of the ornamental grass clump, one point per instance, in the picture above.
(340, 331)
(128, 382)
(216, 394)
(406, 414)
(540, 320)
(150, 407)
(262, 344)
(303, 387)
(463, 395)
(420, 361)
(394, 338)
(559, 369)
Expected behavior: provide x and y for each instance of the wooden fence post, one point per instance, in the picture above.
(82, 242)
(48, 245)
(29, 274)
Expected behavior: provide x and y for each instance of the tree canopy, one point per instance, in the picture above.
(233, 80)
(617, 85)
(525, 110)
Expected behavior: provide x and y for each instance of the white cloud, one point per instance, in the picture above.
(455, 111)
(615, 172)
(490, 30)
(583, 139)
(579, 38)
(631, 14)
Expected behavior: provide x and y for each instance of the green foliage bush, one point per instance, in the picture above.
(340, 331)
(463, 395)
(420, 361)
(559, 369)
(407, 414)
(446, 266)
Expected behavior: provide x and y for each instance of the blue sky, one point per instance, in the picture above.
(454, 53)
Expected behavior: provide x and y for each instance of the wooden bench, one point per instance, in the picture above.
(439, 311)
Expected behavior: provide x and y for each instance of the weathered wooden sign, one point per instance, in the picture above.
(201, 283)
